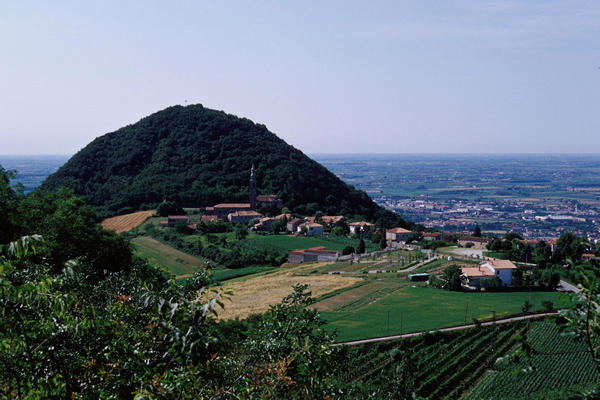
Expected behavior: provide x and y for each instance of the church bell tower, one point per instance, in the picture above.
(252, 188)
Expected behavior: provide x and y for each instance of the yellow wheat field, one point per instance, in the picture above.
(125, 223)
(255, 295)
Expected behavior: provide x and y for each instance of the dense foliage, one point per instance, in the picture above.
(198, 157)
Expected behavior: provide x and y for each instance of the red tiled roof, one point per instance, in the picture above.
(398, 230)
(432, 234)
(501, 264)
(473, 272)
(282, 216)
(232, 205)
(362, 223)
(588, 255)
(295, 221)
(250, 213)
(318, 249)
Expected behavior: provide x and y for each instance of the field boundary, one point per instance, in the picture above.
(448, 329)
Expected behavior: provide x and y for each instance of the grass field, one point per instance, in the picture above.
(413, 309)
(162, 255)
(287, 242)
(125, 223)
(253, 295)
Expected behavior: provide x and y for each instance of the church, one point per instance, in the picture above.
(243, 212)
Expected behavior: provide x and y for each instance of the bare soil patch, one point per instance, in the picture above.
(126, 222)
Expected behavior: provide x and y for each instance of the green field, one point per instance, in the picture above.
(414, 309)
(287, 242)
(166, 257)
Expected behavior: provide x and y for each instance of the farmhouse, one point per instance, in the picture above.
(397, 234)
(173, 220)
(327, 219)
(432, 236)
(359, 227)
(312, 254)
(268, 200)
(503, 269)
(265, 223)
(312, 228)
(478, 243)
(292, 226)
(221, 211)
(243, 216)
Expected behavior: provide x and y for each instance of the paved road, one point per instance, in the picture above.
(567, 287)
(454, 328)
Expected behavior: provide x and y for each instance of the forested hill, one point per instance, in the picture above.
(197, 157)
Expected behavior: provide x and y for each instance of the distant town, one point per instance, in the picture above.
(538, 197)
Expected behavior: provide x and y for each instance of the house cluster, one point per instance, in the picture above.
(311, 227)
(503, 269)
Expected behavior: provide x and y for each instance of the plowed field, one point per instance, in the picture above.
(125, 223)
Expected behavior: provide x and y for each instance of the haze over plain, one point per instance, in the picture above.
(340, 77)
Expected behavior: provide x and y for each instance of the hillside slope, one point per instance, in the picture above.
(197, 157)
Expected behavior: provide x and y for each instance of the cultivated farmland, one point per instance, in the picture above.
(447, 365)
(162, 255)
(557, 363)
(255, 294)
(125, 223)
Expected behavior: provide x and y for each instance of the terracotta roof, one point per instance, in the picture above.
(432, 234)
(164, 223)
(588, 255)
(501, 264)
(246, 214)
(473, 272)
(398, 230)
(332, 219)
(232, 205)
(318, 249)
(295, 221)
(209, 209)
(282, 216)
(313, 225)
(193, 226)
(362, 223)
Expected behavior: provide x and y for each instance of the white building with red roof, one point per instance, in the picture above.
(503, 269)
(397, 234)
(312, 254)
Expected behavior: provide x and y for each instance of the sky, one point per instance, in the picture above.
(325, 76)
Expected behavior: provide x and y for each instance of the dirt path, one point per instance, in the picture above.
(450, 329)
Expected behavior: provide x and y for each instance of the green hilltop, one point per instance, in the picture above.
(198, 157)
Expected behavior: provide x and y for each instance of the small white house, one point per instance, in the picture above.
(397, 234)
(503, 269)
(359, 227)
(312, 229)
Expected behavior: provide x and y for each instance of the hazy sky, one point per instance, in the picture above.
(326, 76)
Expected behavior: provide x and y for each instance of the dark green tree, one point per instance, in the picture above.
(477, 231)
(361, 246)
